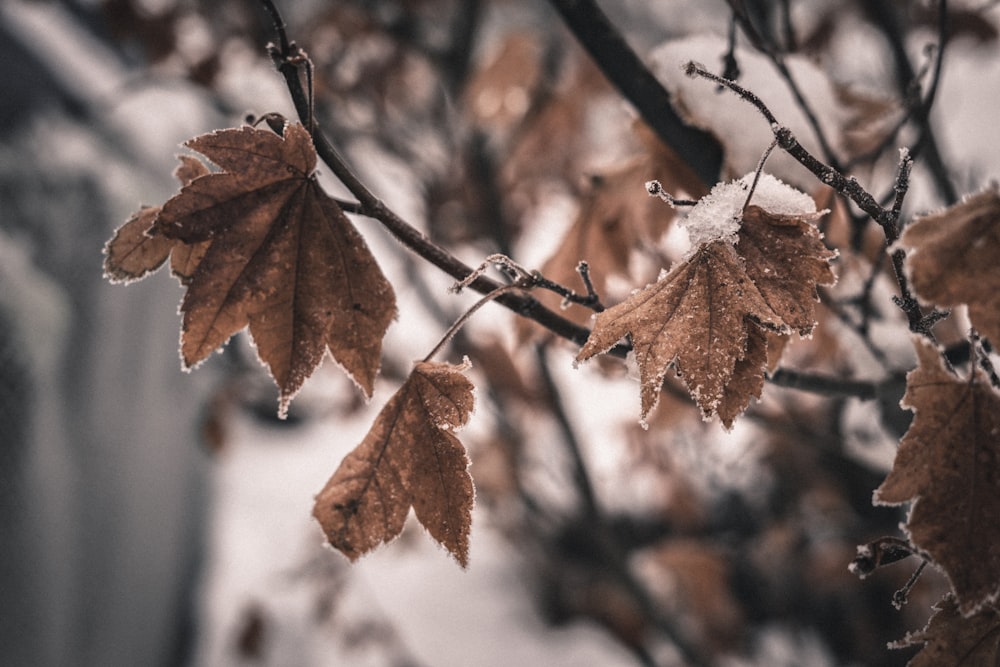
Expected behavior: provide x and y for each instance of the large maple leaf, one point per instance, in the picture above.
(952, 259)
(410, 457)
(948, 464)
(708, 315)
(281, 258)
(953, 639)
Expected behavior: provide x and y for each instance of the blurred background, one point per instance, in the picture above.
(153, 517)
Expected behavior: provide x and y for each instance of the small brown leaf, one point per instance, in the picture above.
(952, 258)
(133, 253)
(409, 458)
(136, 249)
(953, 639)
(948, 464)
(282, 259)
(697, 317)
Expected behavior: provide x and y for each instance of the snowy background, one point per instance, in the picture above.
(126, 542)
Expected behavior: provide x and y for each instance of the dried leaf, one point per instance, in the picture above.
(952, 258)
(132, 253)
(948, 464)
(747, 380)
(708, 316)
(953, 639)
(697, 576)
(409, 458)
(283, 259)
(697, 317)
(500, 93)
(785, 257)
(137, 249)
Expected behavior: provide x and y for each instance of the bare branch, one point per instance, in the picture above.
(623, 68)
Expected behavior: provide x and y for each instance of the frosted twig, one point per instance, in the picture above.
(527, 280)
(655, 189)
(583, 268)
(846, 186)
(899, 598)
(521, 276)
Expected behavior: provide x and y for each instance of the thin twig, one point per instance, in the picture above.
(581, 475)
(655, 189)
(788, 142)
(757, 172)
(766, 45)
(583, 268)
(824, 384)
(460, 322)
(885, 17)
(279, 26)
(900, 597)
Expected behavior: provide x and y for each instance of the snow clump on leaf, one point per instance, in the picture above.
(719, 214)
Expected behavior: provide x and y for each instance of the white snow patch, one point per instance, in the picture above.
(718, 215)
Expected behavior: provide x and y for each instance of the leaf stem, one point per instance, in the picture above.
(460, 322)
(758, 172)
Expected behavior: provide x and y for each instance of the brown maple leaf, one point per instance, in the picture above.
(948, 464)
(282, 259)
(410, 457)
(952, 259)
(697, 317)
(137, 248)
(953, 639)
(708, 316)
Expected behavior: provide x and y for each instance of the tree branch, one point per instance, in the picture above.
(823, 384)
(289, 59)
(623, 68)
(886, 19)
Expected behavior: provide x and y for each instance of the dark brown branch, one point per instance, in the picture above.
(626, 71)
(823, 384)
(288, 59)
(279, 26)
